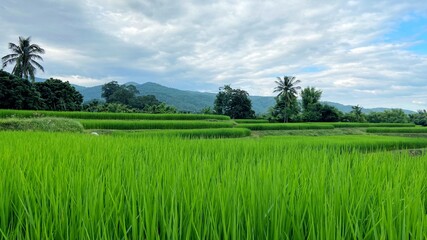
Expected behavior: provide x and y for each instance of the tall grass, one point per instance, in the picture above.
(190, 133)
(104, 115)
(251, 121)
(74, 186)
(369, 125)
(152, 124)
(398, 130)
(284, 126)
(40, 124)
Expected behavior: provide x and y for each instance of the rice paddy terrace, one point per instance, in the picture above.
(206, 177)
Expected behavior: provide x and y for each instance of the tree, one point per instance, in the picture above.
(234, 103)
(285, 111)
(24, 56)
(310, 96)
(357, 114)
(287, 90)
(144, 102)
(419, 118)
(17, 93)
(388, 116)
(59, 96)
(115, 93)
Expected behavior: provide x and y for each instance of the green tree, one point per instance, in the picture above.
(59, 96)
(234, 103)
(144, 102)
(287, 94)
(310, 96)
(357, 113)
(24, 56)
(115, 93)
(285, 111)
(18, 93)
(388, 116)
(419, 118)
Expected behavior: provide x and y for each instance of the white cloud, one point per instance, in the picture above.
(243, 43)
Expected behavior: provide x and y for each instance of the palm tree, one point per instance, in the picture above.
(24, 57)
(287, 90)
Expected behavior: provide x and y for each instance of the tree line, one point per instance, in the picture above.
(236, 104)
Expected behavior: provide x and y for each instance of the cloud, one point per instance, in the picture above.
(341, 47)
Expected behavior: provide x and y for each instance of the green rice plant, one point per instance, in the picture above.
(153, 124)
(368, 125)
(398, 130)
(190, 133)
(251, 121)
(40, 124)
(284, 126)
(78, 186)
(106, 115)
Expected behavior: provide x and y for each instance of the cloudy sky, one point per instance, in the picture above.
(371, 53)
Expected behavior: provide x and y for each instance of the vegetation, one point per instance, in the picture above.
(398, 130)
(284, 126)
(24, 56)
(141, 124)
(234, 103)
(388, 116)
(74, 186)
(359, 125)
(286, 100)
(251, 121)
(53, 94)
(190, 133)
(419, 118)
(40, 124)
(105, 115)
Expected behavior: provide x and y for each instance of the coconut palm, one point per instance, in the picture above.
(287, 90)
(24, 56)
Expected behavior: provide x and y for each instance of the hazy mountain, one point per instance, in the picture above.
(193, 101)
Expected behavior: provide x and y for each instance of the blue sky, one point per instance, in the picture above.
(371, 53)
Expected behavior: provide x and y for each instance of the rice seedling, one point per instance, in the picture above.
(284, 126)
(152, 124)
(105, 115)
(78, 186)
(398, 130)
(369, 125)
(190, 133)
(40, 124)
(251, 121)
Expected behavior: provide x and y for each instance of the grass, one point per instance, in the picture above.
(369, 125)
(189, 133)
(40, 124)
(398, 130)
(151, 124)
(312, 132)
(103, 115)
(284, 126)
(76, 186)
(251, 121)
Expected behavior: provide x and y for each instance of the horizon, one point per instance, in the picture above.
(356, 52)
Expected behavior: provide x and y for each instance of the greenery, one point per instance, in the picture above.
(24, 56)
(234, 103)
(398, 130)
(40, 124)
(52, 94)
(150, 124)
(190, 133)
(419, 118)
(75, 186)
(251, 121)
(388, 116)
(283, 126)
(286, 103)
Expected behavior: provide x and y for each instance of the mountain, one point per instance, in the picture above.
(193, 101)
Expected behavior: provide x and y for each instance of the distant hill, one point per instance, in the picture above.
(193, 101)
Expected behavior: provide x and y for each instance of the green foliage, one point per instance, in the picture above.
(286, 107)
(419, 118)
(59, 96)
(144, 102)
(107, 115)
(17, 93)
(75, 186)
(360, 125)
(283, 126)
(24, 56)
(190, 133)
(160, 108)
(397, 130)
(310, 96)
(40, 124)
(158, 124)
(251, 121)
(234, 103)
(285, 111)
(388, 116)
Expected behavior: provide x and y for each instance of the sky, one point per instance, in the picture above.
(370, 53)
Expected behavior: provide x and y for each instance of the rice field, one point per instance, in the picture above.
(105, 115)
(79, 186)
(151, 124)
(398, 130)
(284, 126)
(189, 133)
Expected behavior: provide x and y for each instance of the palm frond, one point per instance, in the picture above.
(37, 64)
